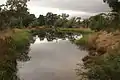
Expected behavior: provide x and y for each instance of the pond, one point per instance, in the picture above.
(52, 58)
(50, 55)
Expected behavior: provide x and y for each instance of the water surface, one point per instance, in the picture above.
(54, 60)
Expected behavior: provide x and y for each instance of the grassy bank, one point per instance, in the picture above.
(21, 38)
(102, 62)
(13, 43)
(77, 30)
(83, 41)
(84, 31)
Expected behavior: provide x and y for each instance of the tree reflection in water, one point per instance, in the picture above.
(8, 67)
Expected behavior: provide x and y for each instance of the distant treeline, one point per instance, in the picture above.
(14, 13)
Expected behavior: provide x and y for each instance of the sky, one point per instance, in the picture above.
(82, 8)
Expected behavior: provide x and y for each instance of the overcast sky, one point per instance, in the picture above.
(83, 8)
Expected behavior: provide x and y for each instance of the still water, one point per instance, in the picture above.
(51, 60)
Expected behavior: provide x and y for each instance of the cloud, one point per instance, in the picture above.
(43, 10)
(2, 1)
(83, 8)
(79, 5)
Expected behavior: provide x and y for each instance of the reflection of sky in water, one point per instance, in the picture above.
(43, 41)
(51, 60)
(46, 41)
(78, 37)
(55, 40)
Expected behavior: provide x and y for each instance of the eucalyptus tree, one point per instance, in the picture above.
(98, 22)
(114, 4)
(78, 19)
(72, 22)
(50, 19)
(85, 23)
(20, 8)
(41, 20)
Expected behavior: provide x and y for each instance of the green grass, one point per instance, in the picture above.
(77, 30)
(13, 44)
(82, 41)
(84, 31)
(21, 38)
(105, 67)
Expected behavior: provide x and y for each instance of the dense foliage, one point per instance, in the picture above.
(114, 4)
(14, 46)
(105, 21)
(106, 67)
(14, 13)
(103, 60)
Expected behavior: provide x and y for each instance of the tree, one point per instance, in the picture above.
(114, 4)
(41, 20)
(50, 19)
(97, 22)
(28, 19)
(34, 23)
(85, 23)
(71, 23)
(105, 67)
(16, 4)
(78, 19)
(64, 18)
(19, 7)
(58, 23)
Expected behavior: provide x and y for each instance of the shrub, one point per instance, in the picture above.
(105, 67)
(21, 39)
(8, 64)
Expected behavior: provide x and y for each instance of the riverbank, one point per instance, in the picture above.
(13, 43)
(103, 58)
(76, 30)
(22, 37)
(15, 47)
(17, 38)
(84, 31)
(101, 42)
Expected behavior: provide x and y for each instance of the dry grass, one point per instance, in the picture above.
(103, 41)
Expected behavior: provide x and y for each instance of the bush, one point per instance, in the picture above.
(8, 64)
(21, 39)
(12, 46)
(105, 67)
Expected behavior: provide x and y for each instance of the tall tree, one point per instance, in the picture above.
(28, 19)
(71, 22)
(98, 22)
(64, 18)
(20, 9)
(50, 19)
(16, 4)
(114, 4)
(41, 20)
(79, 20)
